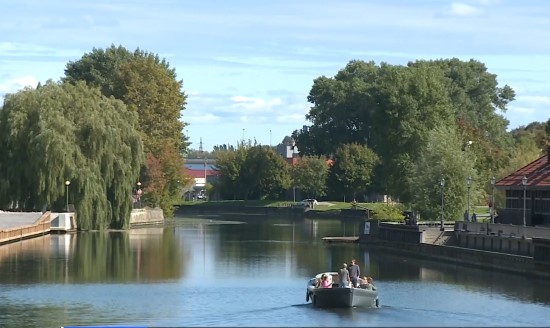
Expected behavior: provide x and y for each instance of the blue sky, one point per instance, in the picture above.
(247, 66)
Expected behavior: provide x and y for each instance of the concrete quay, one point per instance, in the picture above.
(492, 246)
(16, 226)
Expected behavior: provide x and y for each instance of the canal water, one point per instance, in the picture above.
(246, 271)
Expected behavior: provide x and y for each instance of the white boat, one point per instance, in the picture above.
(339, 297)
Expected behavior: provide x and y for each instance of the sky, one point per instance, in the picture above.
(248, 66)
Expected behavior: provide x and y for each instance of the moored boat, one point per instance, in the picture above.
(338, 297)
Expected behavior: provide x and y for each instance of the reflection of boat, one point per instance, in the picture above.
(339, 297)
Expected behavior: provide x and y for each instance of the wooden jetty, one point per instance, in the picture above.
(333, 240)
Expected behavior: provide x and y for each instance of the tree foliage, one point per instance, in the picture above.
(309, 175)
(444, 158)
(353, 167)
(392, 109)
(251, 172)
(264, 174)
(149, 87)
(61, 132)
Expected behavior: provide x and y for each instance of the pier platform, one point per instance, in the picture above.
(332, 240)
(15, 226)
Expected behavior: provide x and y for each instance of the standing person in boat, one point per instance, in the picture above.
(354, 273)
(343, 276)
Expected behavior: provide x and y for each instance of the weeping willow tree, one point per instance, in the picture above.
(69, 132)
(148, 86)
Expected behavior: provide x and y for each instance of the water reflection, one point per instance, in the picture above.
(113, 256)
(243, 271)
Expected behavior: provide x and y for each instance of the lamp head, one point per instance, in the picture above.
(468, 180)
(442, 182)
(67, 182)
(493, 181)
(524, 180)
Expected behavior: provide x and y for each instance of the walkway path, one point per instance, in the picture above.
(10, 220)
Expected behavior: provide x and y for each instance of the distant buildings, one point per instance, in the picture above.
(202, 171)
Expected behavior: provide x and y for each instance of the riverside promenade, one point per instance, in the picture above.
(15, 226)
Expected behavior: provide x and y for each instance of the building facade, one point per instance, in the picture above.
(527, 194)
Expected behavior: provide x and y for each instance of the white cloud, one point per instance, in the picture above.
(462, 9)
(254, 103)
(13, 85)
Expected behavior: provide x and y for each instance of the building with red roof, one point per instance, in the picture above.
(527, 194)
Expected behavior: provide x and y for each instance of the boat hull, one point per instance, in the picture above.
(342, 297)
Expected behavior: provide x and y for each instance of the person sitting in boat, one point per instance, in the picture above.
(326, 281)
(366, 283)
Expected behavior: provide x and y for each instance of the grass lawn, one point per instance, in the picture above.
(379, 210)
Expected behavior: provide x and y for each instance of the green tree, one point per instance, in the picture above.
(341, 111)
(61, 132)
(391, 109)
(444, 158)
(353, 167)
(149, 87)
(310, 174)
(535, 131)
(228, 168)
(264, 174)
(412, 101)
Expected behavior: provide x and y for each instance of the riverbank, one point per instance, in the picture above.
(17, 226)
(292, 211)
(457, 249)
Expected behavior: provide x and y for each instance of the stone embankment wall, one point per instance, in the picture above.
(146, 216)
(499, 250)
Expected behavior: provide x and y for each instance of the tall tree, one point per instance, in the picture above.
(264, 174)
(444, 158)
(310, 174)
(392, 109)
(412, 101)
(353, 167)
(149, 87)
(46, 140)
(228, 166)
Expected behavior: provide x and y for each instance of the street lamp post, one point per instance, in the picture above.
(67, 183)
(442, 185)
(139, 192)
(524, 183)
(468, 184)
(493, 181)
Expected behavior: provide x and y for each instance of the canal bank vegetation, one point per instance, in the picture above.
(429, 135)
(109, 129)
(381, 211)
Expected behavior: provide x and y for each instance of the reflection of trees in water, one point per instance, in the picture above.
(297, 241)
(127, 255)
(17, 259)
(93, 257)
